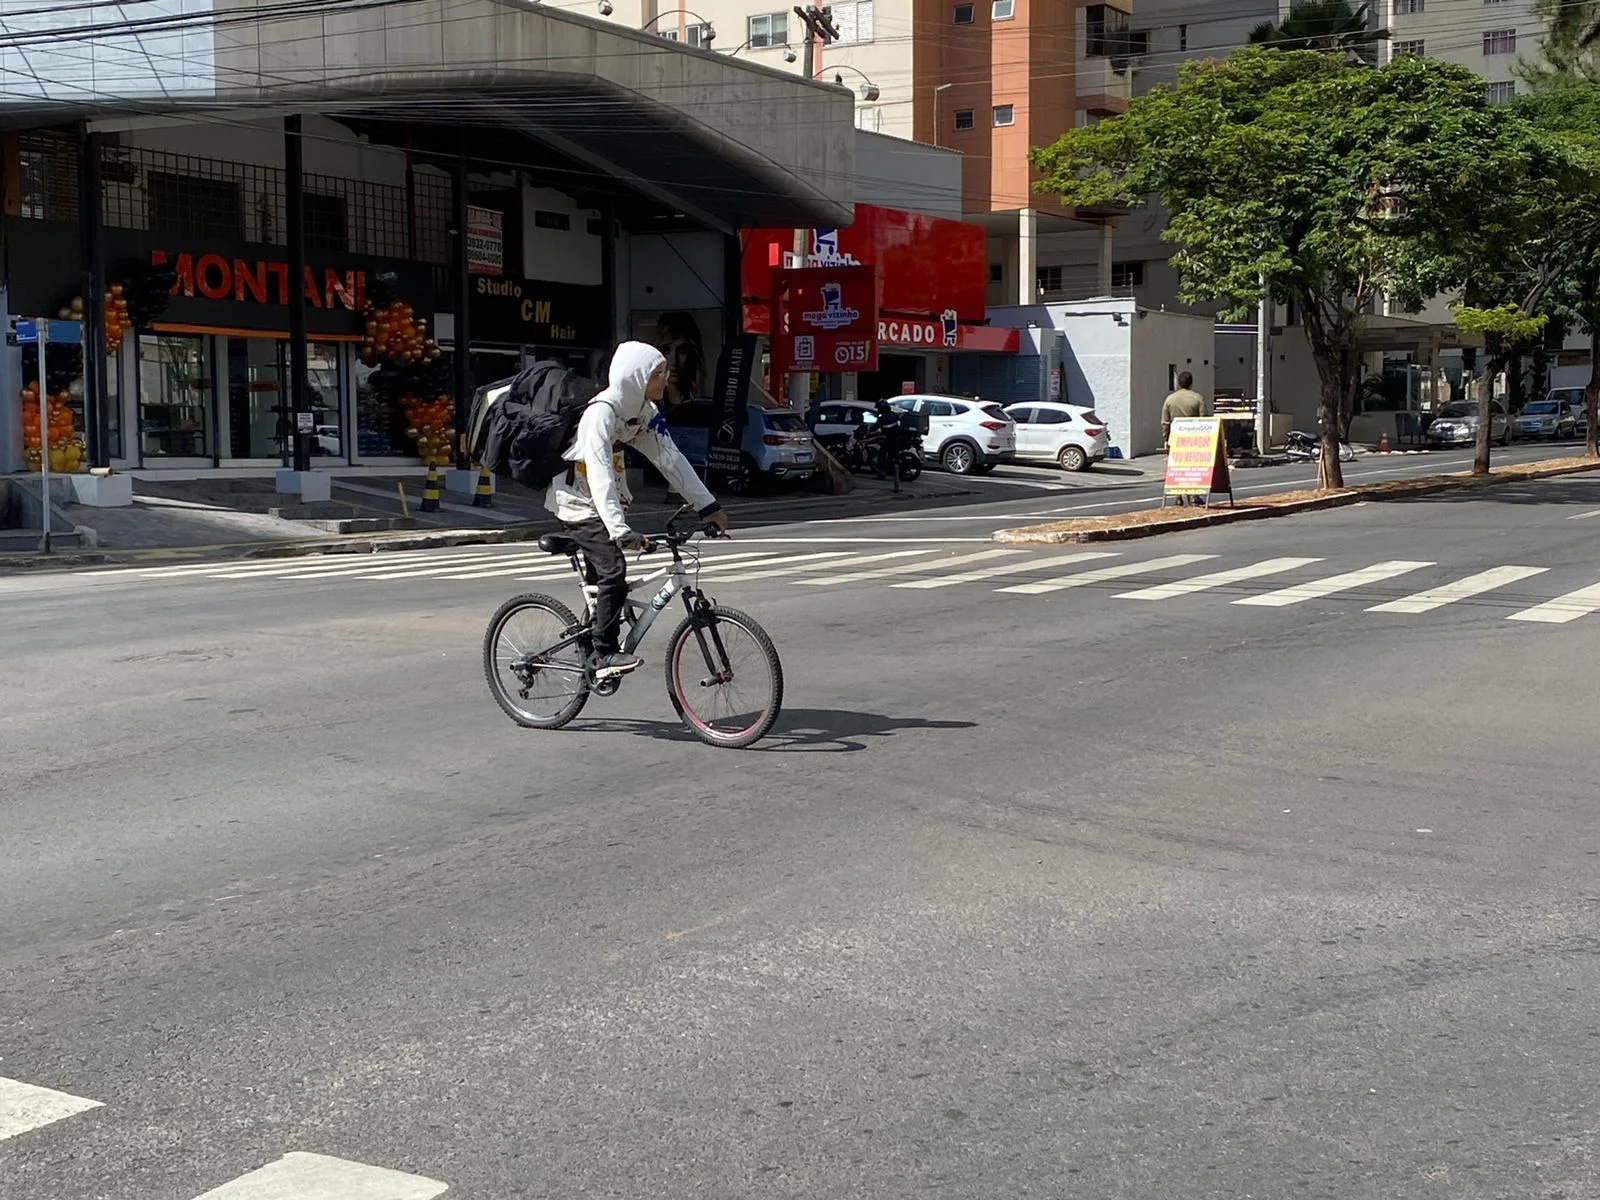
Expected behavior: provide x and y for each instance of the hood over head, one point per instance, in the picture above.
(631, 368)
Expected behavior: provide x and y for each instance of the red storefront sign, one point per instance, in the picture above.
(257, 281)
(925, 264)
(946, 333)
(828, 319)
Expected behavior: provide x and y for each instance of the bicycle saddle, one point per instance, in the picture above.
(556, 543)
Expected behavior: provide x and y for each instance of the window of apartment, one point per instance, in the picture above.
(961, 15)
(1499, 92)
(1414, 49)
(1106, 31)
(698, 35)
(1003, 10)
(1048, 280)
(1403, 8)
(1500, 41)
(1183, 37)
(1125, 275)
(767, 29)
(870, 119)
(963, 118)
(853, 21)
(185, 204)
(543, 218)
(997, 272)
(1005, 114)
(1139, 41)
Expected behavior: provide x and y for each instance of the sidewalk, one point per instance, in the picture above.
(177, 520)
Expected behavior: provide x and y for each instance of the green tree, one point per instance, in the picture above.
(1326, 25)
(1570, 49)
(1336, 183)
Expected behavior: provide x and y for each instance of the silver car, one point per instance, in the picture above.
(1457, 424)
(1547, 420)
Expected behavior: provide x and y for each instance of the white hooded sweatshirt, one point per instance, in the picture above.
(621, 416)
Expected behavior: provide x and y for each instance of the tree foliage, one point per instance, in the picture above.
(1570, 50)
(1327, 25)
(1335, 182)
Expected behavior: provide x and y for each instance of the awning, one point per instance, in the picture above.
(725, 141)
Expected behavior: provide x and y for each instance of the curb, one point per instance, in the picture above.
(1035, 535)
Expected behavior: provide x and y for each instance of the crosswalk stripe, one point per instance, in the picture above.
(287, 563)
(300, 1176)
(1201, 583)
(1103, 574)
(1033, 564)
(1563, 608)
(638, 569)
(906, 568)
(850, 560)
(1333, 584)
(1461, 589)
(344, 564)
(23, 1106)
(792, 566)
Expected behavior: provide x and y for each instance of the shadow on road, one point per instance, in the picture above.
(814, 730)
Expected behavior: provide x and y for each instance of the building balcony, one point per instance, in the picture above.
(1102, 89)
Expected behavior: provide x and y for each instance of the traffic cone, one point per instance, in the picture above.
(1383, 443)
(483, 497)
(430, 490)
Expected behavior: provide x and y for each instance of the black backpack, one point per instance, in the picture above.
(520, 427)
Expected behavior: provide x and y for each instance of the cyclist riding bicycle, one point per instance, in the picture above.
(591, 497)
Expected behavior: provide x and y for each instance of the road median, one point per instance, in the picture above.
(1151, 522)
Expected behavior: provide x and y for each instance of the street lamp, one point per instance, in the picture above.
(789, 55)
(710, 34)
(868, 90)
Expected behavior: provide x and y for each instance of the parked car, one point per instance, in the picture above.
(837, 421)
(775, 447)
(1069, 435)
(1573, 396)
(1457, 424)
(965, 435)
(1547, 420)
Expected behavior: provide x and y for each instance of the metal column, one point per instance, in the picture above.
(294, 209)
(459, 362)
(91, 223)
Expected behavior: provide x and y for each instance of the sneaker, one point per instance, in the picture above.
(611, 666)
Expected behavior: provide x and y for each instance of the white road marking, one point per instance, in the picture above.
(1563, 608)
(355, 564)
(792, 566)
(24, 1106)
(1584, 516)
(1103, 574)
(849, 561)
(1201, 583)
(1333, 584)
(560, 566)
(907, 568)
(300, 1176)
(1036, 563)
(1462, 589)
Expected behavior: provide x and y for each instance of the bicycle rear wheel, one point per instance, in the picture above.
(724, 678)
(536, 681)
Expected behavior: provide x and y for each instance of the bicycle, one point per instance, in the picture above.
(535, 640)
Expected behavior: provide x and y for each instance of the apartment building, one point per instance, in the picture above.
(1486, 36)
(989, 78)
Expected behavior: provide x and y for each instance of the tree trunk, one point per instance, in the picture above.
(1591, 394)
(1330, 471)
(1493, 367)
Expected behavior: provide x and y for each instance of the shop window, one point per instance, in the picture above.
(1005, 114)
(963, 118)
(962, 15)
(1049, 280)
(765, 30)
(194, 207)
(326, 229)
(175, 396)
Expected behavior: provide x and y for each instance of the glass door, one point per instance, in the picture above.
(177, 400)
(260, 404)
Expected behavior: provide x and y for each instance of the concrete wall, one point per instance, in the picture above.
(1163, 345)
(892, 172)
(675, 271)
(570, 255)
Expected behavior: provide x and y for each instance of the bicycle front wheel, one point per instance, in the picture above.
(724, 678)
(538, 682)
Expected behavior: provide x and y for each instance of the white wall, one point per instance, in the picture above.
(1163, 345)
(892, 172)
(559, 255)
(675, 271)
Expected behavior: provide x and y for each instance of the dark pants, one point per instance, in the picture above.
(608, 571)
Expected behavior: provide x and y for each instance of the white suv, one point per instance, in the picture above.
(964, 434)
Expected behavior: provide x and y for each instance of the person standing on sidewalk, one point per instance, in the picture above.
(1185, 402)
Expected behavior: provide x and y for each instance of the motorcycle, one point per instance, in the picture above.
(878, 448)
(1307, 447)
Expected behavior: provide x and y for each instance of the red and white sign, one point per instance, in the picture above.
(486, 241)
(827, 319)
(946, 333)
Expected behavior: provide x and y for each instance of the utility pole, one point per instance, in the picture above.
(1264, 372)
(819, 27)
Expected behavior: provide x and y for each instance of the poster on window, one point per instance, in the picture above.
(485, 241)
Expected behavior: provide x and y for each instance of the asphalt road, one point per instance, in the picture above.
(1194, 877)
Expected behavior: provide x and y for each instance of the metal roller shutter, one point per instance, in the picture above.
(1003, 378)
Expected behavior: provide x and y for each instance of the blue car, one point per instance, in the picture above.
(777, 447)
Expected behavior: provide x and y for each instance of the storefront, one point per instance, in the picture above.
(206, 383)
(515, 322)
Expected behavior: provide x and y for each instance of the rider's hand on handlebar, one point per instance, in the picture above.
(639, 543)
(717, 524)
